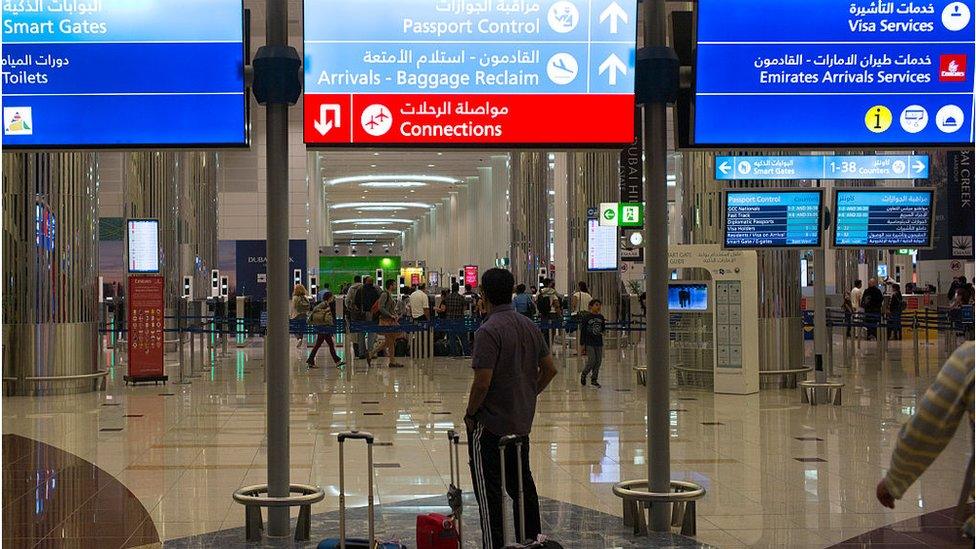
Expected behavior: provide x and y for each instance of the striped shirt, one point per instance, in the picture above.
(939, 413)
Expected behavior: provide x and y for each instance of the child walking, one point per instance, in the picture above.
(592, 340)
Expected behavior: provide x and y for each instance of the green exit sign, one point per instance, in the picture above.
(621, 214)
(906, 251)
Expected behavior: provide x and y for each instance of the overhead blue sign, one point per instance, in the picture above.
(417, 71)
(102, 73)
(883, 218)
(773, 219)
(731, 168)
(834, 73)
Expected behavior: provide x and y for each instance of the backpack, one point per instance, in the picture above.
(302, 306)
(544, 304)
(321, 315)
(375, 309)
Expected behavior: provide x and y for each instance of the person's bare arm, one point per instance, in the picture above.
(547, 371)
(479, 389)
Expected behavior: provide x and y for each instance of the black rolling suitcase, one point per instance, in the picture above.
(542, 542)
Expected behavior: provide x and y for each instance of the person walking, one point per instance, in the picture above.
(848, 312)
(929, 430)
(896, 306)
(323, 318)
(298, 311)
(578, 305)
(591, 337)
(388, 316)
(512, 366)
(550, 309)
(354, 314)
(872, 301)
(856, 294)
(365, 298)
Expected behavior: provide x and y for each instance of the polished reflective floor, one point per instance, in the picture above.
(778, 473)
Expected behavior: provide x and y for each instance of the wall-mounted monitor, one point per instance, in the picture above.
(143, 245)
(124, 73)
(688, 296)
(601, 246)
(772, 218)
(883, 218)
(774, 73)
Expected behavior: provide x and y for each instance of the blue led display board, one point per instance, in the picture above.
(883, 218)
(773, 218)
(123, 73)
(731, 168)
(865, 72)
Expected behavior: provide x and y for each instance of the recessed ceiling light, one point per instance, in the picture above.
(370, 221)
(393, 184)
(376, 154)
(430, 165)
(368, 231)
(392, 178)
(376, 206)
(372, 165)
(440, 154)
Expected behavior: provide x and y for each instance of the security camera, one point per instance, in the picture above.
(352, 250)
(335, 250)
(371, 251)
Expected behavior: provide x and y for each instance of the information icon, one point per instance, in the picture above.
(562, 68)
(914, 119)
(878, 119)
(955, 16)
(563, 16)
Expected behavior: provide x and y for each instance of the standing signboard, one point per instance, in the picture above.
(959, 196)
(144, 304)
(486, 73)
(859, 73)
(123, 73)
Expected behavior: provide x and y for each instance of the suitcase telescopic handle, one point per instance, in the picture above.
(356, 435)
(507, 439)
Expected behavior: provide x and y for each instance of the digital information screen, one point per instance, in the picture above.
(883, 218)
(687, 297)
(488, 72)
(601, 247)
(731, 168)
(143, 239)
(864, 72)
(773, 219)
(123, 73)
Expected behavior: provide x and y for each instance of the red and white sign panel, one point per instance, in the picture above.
(145, 326)
(486, 73)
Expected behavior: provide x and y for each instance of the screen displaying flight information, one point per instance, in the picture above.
(143, 237)
(773, 218)
(883, 218)
(601, 247)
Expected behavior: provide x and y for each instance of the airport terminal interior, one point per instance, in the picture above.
(258, 256)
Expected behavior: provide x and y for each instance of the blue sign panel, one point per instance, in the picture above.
(251, 268)
(774, 72)
(469, 71)
(102, 73)
(773, 219)
(731, 168)
(883, 218)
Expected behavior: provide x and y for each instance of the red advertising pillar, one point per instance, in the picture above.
(145, 329)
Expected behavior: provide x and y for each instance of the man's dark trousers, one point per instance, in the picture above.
(486, 476)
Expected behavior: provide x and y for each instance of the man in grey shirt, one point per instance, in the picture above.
(512, 366)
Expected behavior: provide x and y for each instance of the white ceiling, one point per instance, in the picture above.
(457, 165)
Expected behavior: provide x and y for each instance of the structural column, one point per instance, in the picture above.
(197, 232)
(50, 269)
(529, 215)
(150, 189)
(500, 203)
(593, 177)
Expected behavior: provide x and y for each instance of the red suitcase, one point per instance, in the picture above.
(437, 531)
